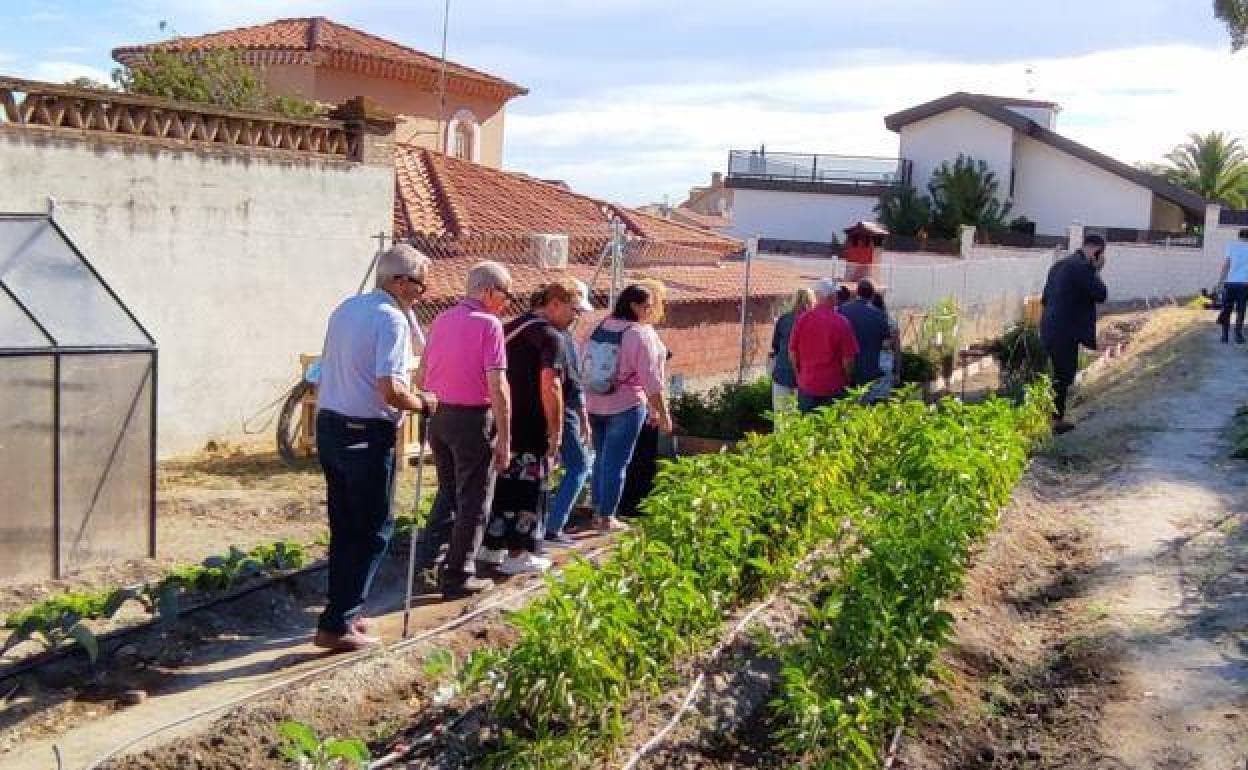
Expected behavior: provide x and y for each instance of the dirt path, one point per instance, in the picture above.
(1174, 584)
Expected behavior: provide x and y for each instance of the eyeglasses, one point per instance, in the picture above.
(414, 281)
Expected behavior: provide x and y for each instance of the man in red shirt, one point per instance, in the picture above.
(822, 348)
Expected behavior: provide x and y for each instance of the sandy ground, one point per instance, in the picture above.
(1127, 650)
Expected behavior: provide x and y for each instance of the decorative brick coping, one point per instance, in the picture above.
(28, 103)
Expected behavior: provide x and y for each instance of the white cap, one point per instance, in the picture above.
(582, 296)
(826, 287)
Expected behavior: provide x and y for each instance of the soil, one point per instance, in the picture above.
(1103, 624)
(226, 652)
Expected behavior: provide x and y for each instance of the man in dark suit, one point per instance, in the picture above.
(1071, 293)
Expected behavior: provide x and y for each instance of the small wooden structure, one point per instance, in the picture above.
(408, 441)
(864, 241)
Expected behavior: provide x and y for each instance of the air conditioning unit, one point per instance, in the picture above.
(550, 251)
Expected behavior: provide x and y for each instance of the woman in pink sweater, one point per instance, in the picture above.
(624, 372)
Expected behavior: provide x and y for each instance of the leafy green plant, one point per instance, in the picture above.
(727, 529)
(221, 78)
(1021, 356)
(965, 192)
(725, 412)
(57, 622)
(917, 368)
(904, 211)
(302, 746)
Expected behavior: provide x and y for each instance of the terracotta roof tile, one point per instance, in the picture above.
(314, 35)
(441, 195)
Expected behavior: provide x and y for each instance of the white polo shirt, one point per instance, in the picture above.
(369, 337)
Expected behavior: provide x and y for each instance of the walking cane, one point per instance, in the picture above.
(422, 429)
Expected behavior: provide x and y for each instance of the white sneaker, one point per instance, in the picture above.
(523, 564)
(491, 556)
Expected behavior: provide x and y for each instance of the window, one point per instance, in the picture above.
(463, 136)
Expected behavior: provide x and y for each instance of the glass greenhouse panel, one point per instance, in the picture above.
(17, 330)
(27, 455)
(42, 269)
(106, 466)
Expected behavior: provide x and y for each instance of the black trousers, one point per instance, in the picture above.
(357, 456)
(641, 471)
(1064, 357)
(1236, 298)
(462, 442)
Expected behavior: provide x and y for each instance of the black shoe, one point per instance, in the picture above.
(469, 587)
(1239, 338)
(1060, 426)
(1226, 337)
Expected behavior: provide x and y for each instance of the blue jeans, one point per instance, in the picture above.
(615, 435)
(357, 456)
(574, 458)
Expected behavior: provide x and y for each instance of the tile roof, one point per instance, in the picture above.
(997, 108)
(460, 212)
(322, 42)
(444, 196)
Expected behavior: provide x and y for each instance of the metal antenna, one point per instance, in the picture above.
(446, 21)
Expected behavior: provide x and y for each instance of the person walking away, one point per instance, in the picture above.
(623, 367)
(1234, 280)
(822, 348)
(535, 372)
(890, 356)
(644, 465)
(362, 396)
(871, 332)
(1072, 291)
(573, 450)
(783, 378)
(465, 366)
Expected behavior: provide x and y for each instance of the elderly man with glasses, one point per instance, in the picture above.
(362, 396)
(465, 366)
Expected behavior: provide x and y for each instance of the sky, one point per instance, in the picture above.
(638, 100)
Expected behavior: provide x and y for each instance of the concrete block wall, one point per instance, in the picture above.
(232, 257)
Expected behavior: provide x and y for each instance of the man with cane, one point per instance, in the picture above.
(362, 397)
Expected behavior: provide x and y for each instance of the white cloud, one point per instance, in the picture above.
(642, 142)
(63, 71)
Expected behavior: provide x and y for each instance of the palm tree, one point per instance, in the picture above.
(1213, 166)
(1235, 14)
(965, 193)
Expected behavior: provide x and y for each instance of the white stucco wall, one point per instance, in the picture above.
(232, 261)
(1045, 116)
(1144, 272)
(940, 138)
(797, 216)
(1055, 189)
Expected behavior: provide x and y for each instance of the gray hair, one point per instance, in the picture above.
(486, 275)
(401, 259)
(826, 287)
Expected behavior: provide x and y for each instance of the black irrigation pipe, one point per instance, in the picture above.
(50, 656)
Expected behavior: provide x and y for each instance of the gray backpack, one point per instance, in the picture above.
(601, 361)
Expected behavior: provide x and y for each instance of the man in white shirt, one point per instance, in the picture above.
(1234, 280)
(362, 396)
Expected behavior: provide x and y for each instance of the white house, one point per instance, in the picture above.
(1050, 179)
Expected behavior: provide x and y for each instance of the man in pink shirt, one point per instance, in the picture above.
(465, 364)
(822, 348)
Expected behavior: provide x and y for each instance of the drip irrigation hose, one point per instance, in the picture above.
(687, 703)
(322, 670)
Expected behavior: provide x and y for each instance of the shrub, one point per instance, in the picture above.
(726, 412)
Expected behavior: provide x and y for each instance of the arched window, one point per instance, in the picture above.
(463, 138)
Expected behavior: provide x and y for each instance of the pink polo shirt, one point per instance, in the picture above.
(642, 361)
(465, 342)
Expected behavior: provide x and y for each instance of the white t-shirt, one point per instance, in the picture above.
(1237, 252)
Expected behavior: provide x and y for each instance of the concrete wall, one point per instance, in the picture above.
(1134, 272)
(233, 259)
(417, 108)
(1054, 189)
(940, 138)
(797, 216)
